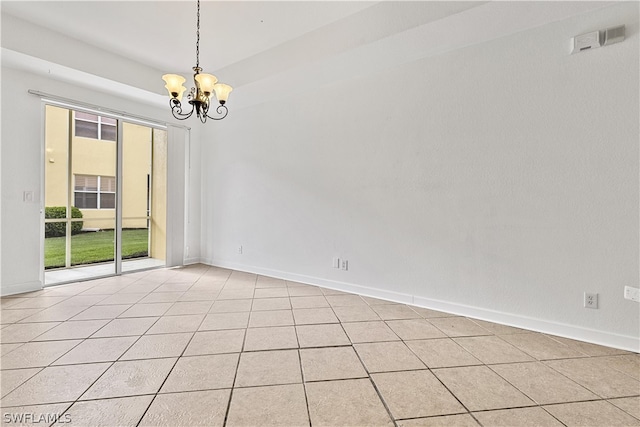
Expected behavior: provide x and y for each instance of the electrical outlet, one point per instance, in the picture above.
(590, 300)
(344, 265)
(336, 262)
(632, 293)
(186, 251)
(240, 249)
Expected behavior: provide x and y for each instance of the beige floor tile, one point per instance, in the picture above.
(458, 327)
(219, 321)
(264, 304)
(331, 363)
(97, 350)
(7, 302)
(597, 375)
(130, 378)
(11, 379)
(235, 294)
(8, 316)
(57, 313)
(387, 356)
(541, 347)
(415, 329)
(72, 330)
(86, 300)
(147, 310)
(216, 342)
(190, 307)
(304, 291)
(15, 416)
(37, 354)
(360, 332)
(55, 384)
(259, 319)
(7, 348)
(359, 313)
(631, 405)
(202, 373)
(280, 405)
(321, 335)
(628, 364)
(525, 417)
(126, 327)
(277, 338)
(176, 324)
(159, 297)
(139, 288)
(376, 301)
(492, 349)
(270, 282)
(597, 414)
(280, 292)
(345, 300)
(395, 312)
(120, 298)
(24, 332)
(588, 348)
(194, 408)
(346, 403)
(318, 301)
(39, 302)
(268, 368)
(102, 312)
(174, 287)
(498, 329)
(461, 420)
(231, 306)
(124, 411)
(199, 296)
(479, 388)
(158, 346)
(430, 314)
(415, 394)
(542, 384)
(311, 316)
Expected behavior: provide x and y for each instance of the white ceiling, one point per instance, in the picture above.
(162, 34)
(265, 49)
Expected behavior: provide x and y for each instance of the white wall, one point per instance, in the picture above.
(499, 181)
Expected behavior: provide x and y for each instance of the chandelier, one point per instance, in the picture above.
(200, 97)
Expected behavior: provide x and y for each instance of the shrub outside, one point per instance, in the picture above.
(58, 229)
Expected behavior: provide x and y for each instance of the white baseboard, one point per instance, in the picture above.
(19, 288)
(189, 261)
(608, 339)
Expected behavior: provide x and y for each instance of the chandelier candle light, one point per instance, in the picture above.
(200, 96)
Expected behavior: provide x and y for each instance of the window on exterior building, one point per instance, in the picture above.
(95, 192)
(96, 127)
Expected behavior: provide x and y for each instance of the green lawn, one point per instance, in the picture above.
(92, 247)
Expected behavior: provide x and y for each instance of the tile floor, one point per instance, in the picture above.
(204, 346)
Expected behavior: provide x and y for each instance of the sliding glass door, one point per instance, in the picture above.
(105, 187)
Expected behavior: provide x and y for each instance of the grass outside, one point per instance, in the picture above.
(93, 247)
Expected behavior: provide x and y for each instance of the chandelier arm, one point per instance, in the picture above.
(222, 109)
(176, 110)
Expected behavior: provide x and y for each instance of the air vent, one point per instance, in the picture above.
(613, 35)
(596, 39)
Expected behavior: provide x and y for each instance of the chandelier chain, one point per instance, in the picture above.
(198, 37)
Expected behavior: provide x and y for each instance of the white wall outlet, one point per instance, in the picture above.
(186, 251)
(240, 249)
(632, 293)
(344, 264)
(336, 262)
(590, 300)
(27, 196)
